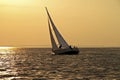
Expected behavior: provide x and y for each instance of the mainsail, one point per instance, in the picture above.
(60, 39)
(54, 46)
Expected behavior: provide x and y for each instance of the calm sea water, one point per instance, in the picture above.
(39, 64)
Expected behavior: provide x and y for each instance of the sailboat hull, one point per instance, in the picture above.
(68, 51)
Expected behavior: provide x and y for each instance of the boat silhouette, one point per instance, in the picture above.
(63, 47)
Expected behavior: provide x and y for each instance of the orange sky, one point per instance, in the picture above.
(85, 23)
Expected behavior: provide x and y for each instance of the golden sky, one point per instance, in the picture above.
(85, 23)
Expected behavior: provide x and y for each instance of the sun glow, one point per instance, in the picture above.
(6, 47)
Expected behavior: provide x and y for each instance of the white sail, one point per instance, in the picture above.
(60, 39)
(54, 46)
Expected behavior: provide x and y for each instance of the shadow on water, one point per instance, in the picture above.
(39, 64)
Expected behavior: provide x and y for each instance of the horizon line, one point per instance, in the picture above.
(48, 46)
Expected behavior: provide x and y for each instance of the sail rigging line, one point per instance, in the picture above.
(60, 39)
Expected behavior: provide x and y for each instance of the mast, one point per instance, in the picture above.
(60, 39)
(53, 43)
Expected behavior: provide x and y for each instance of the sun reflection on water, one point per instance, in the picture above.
(6, 47)
(6, 50)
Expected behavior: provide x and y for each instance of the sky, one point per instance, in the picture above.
(84, 23)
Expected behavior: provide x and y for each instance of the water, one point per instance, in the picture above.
(39, 64)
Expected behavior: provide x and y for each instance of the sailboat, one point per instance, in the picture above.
(62, 47)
